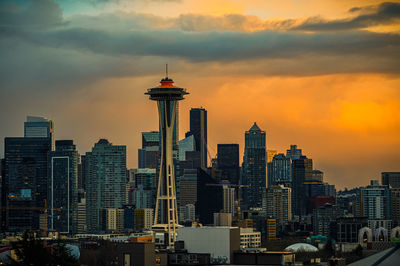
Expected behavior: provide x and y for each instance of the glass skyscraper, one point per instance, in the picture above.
(254, 166)
(63, 187)
(24, 184)
(198, 128)
(106, 180)
(39, 127)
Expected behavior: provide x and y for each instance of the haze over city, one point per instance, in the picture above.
(320, 74)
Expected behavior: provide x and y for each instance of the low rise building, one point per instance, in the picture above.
(249, 238)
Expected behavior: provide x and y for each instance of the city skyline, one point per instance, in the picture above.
(338, 102)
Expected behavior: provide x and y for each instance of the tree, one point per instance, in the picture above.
(31, 251)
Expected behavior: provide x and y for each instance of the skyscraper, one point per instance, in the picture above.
(149, 154)
(375, 201)
(254, 166)
(228, 162)
(39, 127)
(277, 204)
(301, 171)
(198, 128)
(106, 179)
(281, 172)
(63, 187)
(167, 96)
(24, 184)
(391, 179)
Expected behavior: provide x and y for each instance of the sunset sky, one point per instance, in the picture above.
(322, 74)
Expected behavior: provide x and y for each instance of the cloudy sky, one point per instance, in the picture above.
(320, 74)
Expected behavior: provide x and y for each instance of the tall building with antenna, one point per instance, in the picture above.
(166, 216)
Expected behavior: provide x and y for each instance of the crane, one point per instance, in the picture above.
(44, 209)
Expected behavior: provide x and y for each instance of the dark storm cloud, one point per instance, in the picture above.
(38, 13)
(59, 52)
(383, 14)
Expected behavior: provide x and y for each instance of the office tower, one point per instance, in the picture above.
(63, 187)
(317, 175)
(301, 171)
(254, 166)
(228, 200)
(223, 219)
(187, 213)
(166, 214)
(129, 215)
(188, 187)
(271, 229)
(293, 153)
(323, 217)
(82, 173)
(112, 220)
(270, 155)
(395, 205)
(277, 203)
(198, 128)
(209, 198)
(391, 179)
(149, 154)
(143, 199)
(143, 219)
(146, 177)
(39, 127)
(374, 201)
(106, 180)
(24, 187)
(228, 162)
(81, 224)
(186, 145)
(281, 172)
(346, 229)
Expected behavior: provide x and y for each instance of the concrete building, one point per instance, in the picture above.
(222, 219)
(143, 219)
(323, 217)
(112, 219)
(395, 205)
(81, 224)
(187, 213)
(106, 180)
(219, 242)
(375, 201)
(271, 229)
(249, 238)
(345, 229)
(228, 199)
(277, 203)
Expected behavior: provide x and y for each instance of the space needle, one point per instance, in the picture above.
(166, 216)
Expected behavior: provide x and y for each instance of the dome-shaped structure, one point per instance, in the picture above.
(301, 247)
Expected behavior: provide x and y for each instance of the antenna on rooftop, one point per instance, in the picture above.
(166, 70)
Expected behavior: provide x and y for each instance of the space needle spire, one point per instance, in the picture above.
(166, 216)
